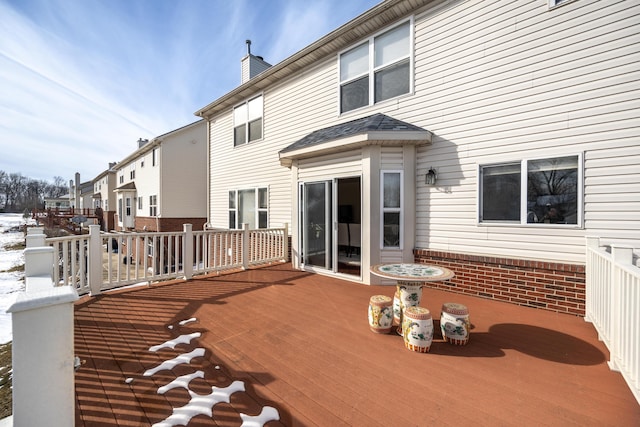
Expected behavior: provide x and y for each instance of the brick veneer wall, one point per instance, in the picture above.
(547, 285)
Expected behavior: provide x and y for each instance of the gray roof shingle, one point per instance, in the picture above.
(376, 122)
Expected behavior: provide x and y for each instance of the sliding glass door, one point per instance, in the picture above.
(329, 218)
(316, 234)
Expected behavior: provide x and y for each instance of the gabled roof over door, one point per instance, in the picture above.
(378, 129)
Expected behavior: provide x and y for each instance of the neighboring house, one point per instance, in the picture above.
(86, 195)
(162, 185)
(62, 202)
(488, 136)
(104, 196)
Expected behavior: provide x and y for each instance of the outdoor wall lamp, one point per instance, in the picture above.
(431, 177)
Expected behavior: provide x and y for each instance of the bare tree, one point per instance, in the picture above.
(18, 192)
(3, 191)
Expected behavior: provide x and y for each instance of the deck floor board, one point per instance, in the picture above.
(300, 343)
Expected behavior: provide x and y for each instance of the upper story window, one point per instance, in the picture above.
(539, 191)
(247, 121)
(132, 171)
(377, 70)
(154, 157)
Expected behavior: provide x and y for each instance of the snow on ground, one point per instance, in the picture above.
(10, 282)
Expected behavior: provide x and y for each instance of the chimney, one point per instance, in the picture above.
(252, 65)
(142, 142)
(112, 165)
(76, 196)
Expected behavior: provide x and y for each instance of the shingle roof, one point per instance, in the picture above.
(127, 186)
(376, 122)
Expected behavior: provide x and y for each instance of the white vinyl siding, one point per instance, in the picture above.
(285, 121)
(506, 80)
(182, 182)
(331, 166)
(494, 82)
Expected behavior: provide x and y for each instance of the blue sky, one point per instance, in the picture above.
(82, 80)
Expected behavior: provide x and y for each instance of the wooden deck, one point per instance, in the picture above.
(301, 344)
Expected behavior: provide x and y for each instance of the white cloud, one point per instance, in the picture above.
(80, 82)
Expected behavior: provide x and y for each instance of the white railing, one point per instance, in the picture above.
(613, 306)
(70, 259)
(100, 261)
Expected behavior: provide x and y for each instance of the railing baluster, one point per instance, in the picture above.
(612, 305)
(120, 256)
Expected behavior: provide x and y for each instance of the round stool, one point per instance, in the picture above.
(409, 295)
(454, 323)
(380, 314)
(397, 311)
(417, 329)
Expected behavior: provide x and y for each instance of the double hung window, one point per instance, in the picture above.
(153, 205)
(247, 121)
(377, 70)
(391, 209)
(248, 206)
(532, 191)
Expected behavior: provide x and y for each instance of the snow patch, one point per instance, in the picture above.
(184, 322)
(182, 339)
(200, 404)
(267, 414)
(182, 381)
(170, 364)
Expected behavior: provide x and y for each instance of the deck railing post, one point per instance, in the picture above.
(187, 251)
(621, 255)
(593, 243)
(42, 354)
(38, 268)
(285, 242)
(245, 246)
(35, 237)
(95, 260)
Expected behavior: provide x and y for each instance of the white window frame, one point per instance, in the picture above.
(153, 205)
(523, 192)
(154, 157)
(258, 209)
(372, 69)
(132, 171)
(140, 203)
(248, 119)
(399, 210)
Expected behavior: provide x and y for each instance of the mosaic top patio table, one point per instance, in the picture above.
(410, 279)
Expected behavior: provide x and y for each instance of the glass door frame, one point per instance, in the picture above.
(331, 212)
